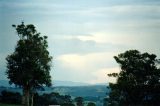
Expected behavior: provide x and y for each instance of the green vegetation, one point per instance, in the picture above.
(79, 101)
(29, 65)
(91, 104)
(89, 93)
(44, 99)
(53, 99)
(10, 97)
(138, 82)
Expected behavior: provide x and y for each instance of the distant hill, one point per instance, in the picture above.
(68, 83)
(67, 88)
(92, 90)
(5, 83)
(94, 93)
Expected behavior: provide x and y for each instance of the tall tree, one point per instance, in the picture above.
(29, 65)
(138, 82)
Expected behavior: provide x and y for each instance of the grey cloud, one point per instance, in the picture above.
(77, 46)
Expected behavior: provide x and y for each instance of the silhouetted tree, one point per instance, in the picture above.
(138, 82)
(79, 101)
(29, 65)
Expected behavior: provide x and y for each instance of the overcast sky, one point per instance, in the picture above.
(83, 35)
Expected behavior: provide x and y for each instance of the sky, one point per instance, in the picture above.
(83, 35)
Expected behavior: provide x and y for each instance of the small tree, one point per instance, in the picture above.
(138, 82)
(29, 65)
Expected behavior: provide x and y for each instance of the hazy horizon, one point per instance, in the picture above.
(83, 35)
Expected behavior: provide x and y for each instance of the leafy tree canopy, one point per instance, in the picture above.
(29, 65)
(138, 82)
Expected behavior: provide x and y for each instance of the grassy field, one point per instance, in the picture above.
(1, 104)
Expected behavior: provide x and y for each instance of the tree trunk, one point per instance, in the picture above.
(26, 94)
(23, 97)
(32, 98)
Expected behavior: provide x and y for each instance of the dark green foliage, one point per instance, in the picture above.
(138, 82)
(53, 99)
(79, 101)
(91, 104)
(10, 97)
(29, 65)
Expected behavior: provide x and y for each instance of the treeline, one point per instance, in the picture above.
(53, 98)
